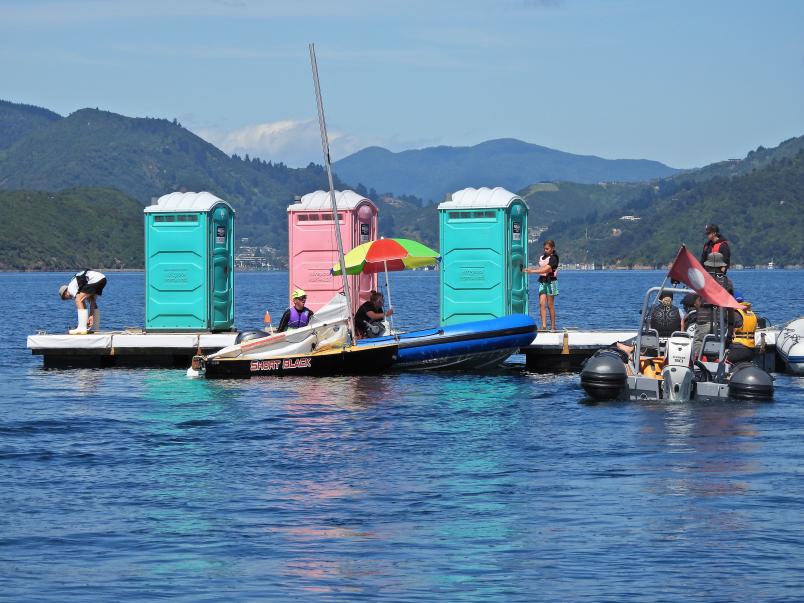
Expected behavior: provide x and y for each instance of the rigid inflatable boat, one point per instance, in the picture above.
(470, 345)
(790, 346)
(320, 348)
(665, 368)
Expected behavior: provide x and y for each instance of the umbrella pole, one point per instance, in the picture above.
(388, 288)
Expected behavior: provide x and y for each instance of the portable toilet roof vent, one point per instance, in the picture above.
(201, 202)
(320, 200)
(484, 197)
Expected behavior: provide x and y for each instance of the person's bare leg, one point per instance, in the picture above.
(543, 309)
(551, 305)
(93, 306)
(80, 301)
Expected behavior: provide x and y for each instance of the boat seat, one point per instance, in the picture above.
(711, 347)
(649, 341)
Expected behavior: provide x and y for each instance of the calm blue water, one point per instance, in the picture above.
(142, 485)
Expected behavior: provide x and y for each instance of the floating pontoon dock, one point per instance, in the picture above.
(125, 348)
(550, 350)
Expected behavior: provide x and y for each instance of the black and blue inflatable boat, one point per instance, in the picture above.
(470, 345)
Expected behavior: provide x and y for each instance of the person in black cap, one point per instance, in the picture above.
(716, 254)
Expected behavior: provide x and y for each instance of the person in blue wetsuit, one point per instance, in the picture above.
(298, 315)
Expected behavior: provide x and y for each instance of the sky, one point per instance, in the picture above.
(683, 82)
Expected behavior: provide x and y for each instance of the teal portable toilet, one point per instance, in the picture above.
(189, 263)
(484, 245)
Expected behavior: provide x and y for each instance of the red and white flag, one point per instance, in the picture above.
(688, 270)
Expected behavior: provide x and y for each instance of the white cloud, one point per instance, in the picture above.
(294, 143)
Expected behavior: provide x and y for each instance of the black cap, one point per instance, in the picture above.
(712, 228)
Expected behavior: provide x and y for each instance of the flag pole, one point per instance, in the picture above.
(328, 164)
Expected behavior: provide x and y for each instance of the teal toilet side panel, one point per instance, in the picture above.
(517, 235)
(176, 271)
(222, 269)
(473, 281)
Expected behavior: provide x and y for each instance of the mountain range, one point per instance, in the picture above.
(72, 191)
(433, 172)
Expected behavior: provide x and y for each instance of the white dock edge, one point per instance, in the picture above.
(125, 348)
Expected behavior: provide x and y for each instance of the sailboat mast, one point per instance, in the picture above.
(327, 163)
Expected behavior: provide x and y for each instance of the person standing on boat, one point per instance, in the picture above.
(548, 283)
(85, 288)
(716, 254)
(298, 315)
(370, 316)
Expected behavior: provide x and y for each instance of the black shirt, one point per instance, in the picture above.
(361, 317)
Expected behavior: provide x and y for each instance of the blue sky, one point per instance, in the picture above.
(686, 83)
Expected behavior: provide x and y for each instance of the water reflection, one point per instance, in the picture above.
(705, 455)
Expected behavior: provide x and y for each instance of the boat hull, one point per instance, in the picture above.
(365, 360)
(790, 346)
(468, 346)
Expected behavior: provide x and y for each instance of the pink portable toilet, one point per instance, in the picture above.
(313, 248)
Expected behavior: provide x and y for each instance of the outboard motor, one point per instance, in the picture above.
(749, 382)
(244, 336)
(604, 375)
(677, 375)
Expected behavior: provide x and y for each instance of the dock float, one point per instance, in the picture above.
(566, 350)
(550, 351)
(129, 348)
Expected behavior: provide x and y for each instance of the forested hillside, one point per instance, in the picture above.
(761, 213)
(758, 199)
(17, 121)
(147, 158)
(551, 202)
(70, 230)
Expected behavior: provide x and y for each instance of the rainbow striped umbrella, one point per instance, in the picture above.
(387, 254)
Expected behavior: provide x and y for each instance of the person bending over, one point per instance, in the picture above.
(85, 288)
